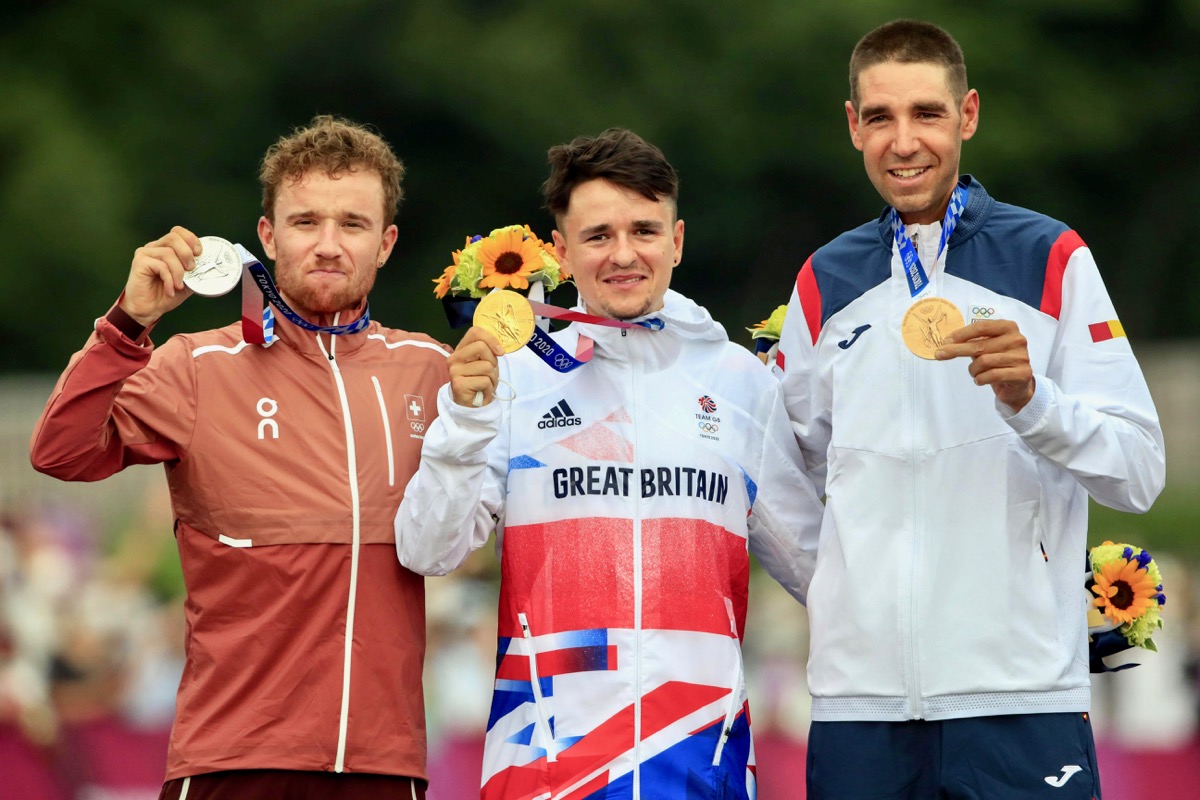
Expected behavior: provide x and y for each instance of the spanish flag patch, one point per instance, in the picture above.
(1103, 331)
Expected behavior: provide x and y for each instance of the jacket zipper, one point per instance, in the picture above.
(539, 702)
(352, 466)
(910, 629)
(735, 690)
(637, 582)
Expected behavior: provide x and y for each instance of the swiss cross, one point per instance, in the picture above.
(414, 408)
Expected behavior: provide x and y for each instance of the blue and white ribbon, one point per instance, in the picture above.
(918, 280)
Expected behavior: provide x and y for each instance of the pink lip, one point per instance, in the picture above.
(630, 279)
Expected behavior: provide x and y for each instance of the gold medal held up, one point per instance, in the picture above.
(926, 324)
(508, 316)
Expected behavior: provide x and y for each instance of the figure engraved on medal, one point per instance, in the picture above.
(508, 316)
(218, 268)
(926, 324)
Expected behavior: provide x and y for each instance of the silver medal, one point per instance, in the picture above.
(218, 268)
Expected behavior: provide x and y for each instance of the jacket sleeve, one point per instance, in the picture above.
(805, 395)
(785, 520)
(456, 498)
(1092, 414)
(118, 402)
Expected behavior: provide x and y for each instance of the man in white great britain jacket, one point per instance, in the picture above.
(623, 494)
(948, 653)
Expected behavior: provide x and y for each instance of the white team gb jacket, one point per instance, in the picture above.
(623, 495)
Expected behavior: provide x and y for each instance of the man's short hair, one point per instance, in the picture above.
(334, 146)
(616, 155)
(909, 41)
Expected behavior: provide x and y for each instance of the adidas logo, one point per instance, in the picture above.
(560, 416)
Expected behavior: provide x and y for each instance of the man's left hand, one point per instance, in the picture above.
(999, 358)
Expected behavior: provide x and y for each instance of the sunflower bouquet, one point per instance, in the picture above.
(512, 257)
(1128, 594)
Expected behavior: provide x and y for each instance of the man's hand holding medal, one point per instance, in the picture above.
(169, 270)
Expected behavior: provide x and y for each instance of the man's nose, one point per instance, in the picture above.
(623, 254)
(328, 244)
(906, 141)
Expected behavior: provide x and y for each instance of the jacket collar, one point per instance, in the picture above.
(979, 207)
(683, 320)
(306, 342)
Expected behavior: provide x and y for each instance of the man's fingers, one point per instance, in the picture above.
(482, 336)
(165, 262)
(981, 342)
(191, 242)
(980, 329)
(986, 376)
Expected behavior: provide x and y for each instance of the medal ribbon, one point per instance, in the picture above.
(460, 312)
(258, 319)
(918, 281)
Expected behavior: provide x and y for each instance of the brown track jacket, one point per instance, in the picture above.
(286, 464)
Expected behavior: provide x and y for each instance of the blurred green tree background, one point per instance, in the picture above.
(120, 119)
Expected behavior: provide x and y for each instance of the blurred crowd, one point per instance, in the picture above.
(92, 632)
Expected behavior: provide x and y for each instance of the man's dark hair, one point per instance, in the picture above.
(616, 155)
(909, 41)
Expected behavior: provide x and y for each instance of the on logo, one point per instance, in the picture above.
(266, 408)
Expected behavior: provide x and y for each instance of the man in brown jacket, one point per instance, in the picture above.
(286, 462)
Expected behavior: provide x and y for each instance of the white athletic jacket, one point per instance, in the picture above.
(623, 495)
(949, 574)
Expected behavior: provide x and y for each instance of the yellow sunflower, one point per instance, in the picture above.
(508, 260)
(1124, 590)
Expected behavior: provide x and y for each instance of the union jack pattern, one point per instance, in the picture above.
(618, 669)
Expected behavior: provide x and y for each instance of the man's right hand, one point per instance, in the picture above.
(473, 367)
(155, 284)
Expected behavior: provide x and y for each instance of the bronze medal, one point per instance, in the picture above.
(926, 324)
(508, 316)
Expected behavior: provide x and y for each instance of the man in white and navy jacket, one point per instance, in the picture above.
(949, 653)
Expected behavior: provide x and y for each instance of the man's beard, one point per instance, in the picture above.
(315, 300)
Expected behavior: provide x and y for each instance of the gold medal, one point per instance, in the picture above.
(508, 316)
(926, 324)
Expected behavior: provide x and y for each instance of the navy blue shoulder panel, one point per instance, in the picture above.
(1008, 252)
(849, 266)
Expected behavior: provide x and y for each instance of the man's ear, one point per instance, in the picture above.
(969, 115)
(560, 246)
(852, 121)
(266, 235)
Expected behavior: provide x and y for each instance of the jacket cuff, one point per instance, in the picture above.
(130, 328)
(1030, 417)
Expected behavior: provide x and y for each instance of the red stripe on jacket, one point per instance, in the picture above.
(1056, 266)
(810, 298)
